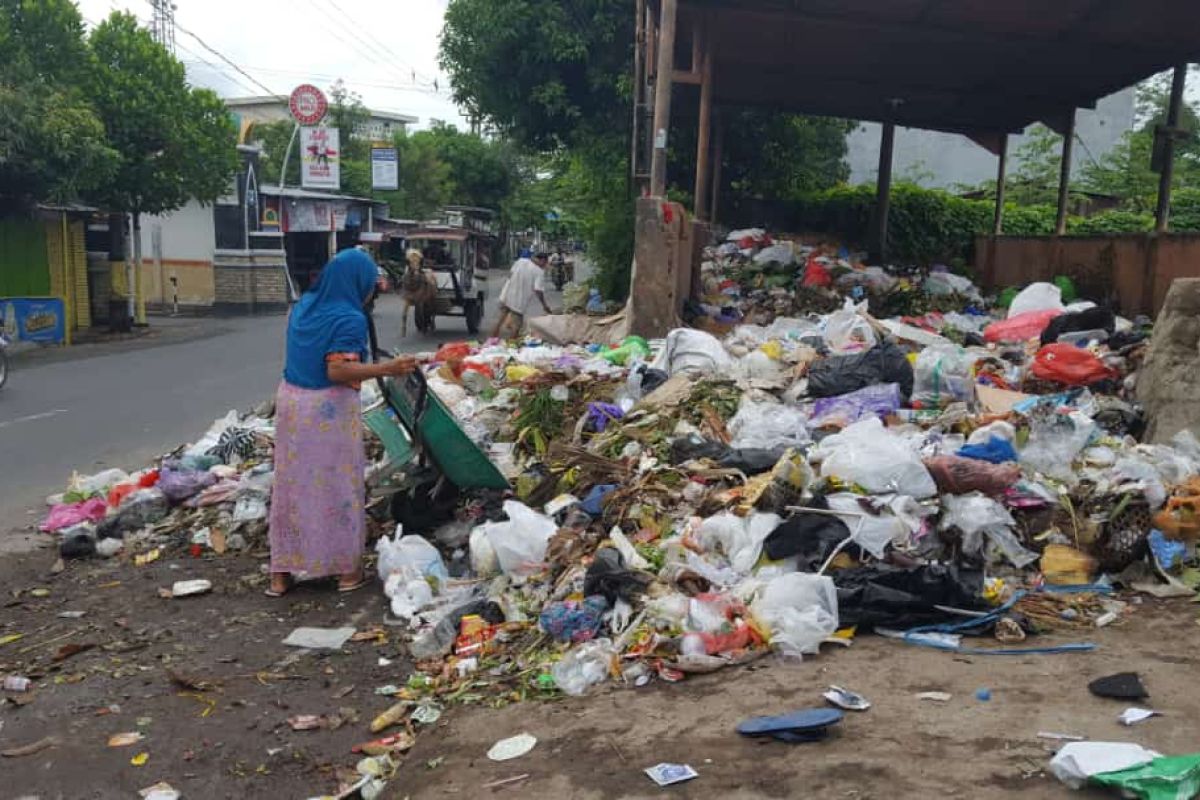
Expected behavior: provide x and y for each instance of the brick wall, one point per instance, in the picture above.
(250, 282)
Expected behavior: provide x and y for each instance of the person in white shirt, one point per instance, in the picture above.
(525, 283)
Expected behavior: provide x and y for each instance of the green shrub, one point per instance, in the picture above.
(1107, 222)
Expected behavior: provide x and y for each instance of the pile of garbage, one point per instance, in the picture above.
(832, 450)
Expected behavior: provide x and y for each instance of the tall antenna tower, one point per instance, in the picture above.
(162, 23)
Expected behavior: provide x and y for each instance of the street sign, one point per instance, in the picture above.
(320, 158)
(308, 104)
(385, 168)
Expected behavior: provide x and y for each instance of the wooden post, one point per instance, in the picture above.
(1162, 214)
(718, 157)
(998, 224)
(704, 136)
(1064, 175)
(662, 97)
(883, 192)
(639, 88)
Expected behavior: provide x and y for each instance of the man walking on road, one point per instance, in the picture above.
(525, 282)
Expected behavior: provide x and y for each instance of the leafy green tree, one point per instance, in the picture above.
(174, 143)
(482, 171)
(425, 182)
(52, 144)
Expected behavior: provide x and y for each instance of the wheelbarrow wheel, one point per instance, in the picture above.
(473, 311)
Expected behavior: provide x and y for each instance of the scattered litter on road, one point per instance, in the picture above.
(319, 638)
(1132, 716)
(844, 698)
(668, 774)
(937, 697)
(512, 747)
(125, 739)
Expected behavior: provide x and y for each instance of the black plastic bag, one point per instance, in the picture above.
(892, 597)
(609, 576)
(811, 536)
(749, 460)
(884, 363)
(1093, 319)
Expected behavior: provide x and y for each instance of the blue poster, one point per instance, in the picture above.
(33, 320)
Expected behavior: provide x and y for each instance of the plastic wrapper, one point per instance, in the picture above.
(1020, 328)
(739, 539)
(995, 450)
(810, 536)
(800, 610)
(867, 454)
(1036, 297)
(1075, 763)
(796, 330)
(96, 484)
(846, 331)
(409, 555)
(520, 542)
(143, 507)
(872, 532)
(943, 283)
(767, 425)
(1165, 778)
(843, 410)
(584, 666)
(941, 376)
(609, 576)
(783, 254)
(839, 375)
(1092, 319)
(978, 516)
(1055, 443)
(957, 475)
(1070, 365)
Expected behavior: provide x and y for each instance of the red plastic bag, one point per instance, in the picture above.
(1020, 328)
(118, 493)
(816, 274)
(454, 351)
(1074, 366)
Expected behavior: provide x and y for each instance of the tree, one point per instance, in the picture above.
(174, 143)
(52, 144)
(481, 171)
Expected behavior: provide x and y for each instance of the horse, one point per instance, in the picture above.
(418, 289)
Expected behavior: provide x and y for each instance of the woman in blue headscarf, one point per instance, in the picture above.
(318, 522)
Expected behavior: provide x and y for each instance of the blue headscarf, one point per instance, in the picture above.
(330, 319)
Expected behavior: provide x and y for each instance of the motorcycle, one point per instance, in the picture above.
(3, 359)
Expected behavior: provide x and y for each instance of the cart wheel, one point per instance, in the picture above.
(473, 311)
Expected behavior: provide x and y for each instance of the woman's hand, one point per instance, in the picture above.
(398, 366)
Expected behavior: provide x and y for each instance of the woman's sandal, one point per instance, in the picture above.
(352, 587)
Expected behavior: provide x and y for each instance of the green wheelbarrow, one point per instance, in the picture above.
(421, 436)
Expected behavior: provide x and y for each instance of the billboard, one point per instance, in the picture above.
(385, 168)
(33, 320)
(320, 156)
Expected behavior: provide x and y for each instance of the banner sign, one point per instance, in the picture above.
(320, 166)
(34, 320)
(307, 104)
(385, 168)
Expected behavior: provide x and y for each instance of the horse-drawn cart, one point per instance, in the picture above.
(458, 255)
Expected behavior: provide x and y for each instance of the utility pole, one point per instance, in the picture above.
(162, 23)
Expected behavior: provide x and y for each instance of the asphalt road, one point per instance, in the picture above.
(122, 406)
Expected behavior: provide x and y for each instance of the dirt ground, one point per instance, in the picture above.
(232, 740)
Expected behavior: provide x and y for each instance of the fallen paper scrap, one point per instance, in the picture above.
(1060, 737)
(125, 739)
(190, 588)
(940, 697)
(1132, 716)
(319, 638)
(667, 774)
(160, 791)
(512, 747)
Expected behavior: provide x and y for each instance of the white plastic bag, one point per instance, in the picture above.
(483, 556)
(1036, 297)
(583, 666)
(940, 283)
(520, 542)
(941, 376)
(800, 610)
(409, 555)
(88, 485)
(695, 352)
(978, 516)
(768, 425)
(872, 533)
(740, 539)
(1078, 761)
(846, 331)
(758, 366)
(782, 253)
(797, 330)
(1054, 444)
(867, 454)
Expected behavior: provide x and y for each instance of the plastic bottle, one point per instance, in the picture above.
(17, 683)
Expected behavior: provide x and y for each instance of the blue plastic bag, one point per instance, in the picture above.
(996, 451)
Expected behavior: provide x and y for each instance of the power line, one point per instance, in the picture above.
(360, 46)
(378, 45)
(221, 56)
(233, 79)
(321, 76)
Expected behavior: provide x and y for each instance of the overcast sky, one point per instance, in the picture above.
(384, 51)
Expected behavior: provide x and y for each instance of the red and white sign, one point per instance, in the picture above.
(308, 104)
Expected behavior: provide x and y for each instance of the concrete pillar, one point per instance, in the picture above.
(883, 192)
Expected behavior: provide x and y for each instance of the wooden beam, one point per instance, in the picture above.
(718, 163)
(1162, 214)
(639, 89)
(1064, 175)
(704, 134)
(690, 78)
(1001, 169)
(662, 98)
(883, 193)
